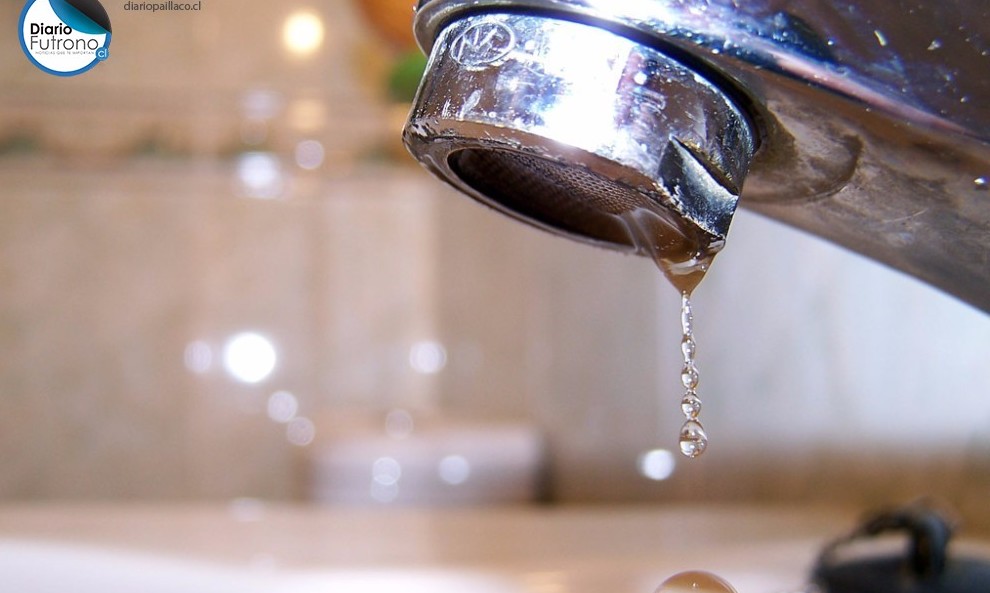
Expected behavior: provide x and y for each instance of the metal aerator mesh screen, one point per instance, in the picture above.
(568, 197)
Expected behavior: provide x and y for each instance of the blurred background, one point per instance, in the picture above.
(222, 278)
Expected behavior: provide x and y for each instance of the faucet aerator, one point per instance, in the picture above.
(573, 128)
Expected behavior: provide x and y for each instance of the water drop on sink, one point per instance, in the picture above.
(695, 581)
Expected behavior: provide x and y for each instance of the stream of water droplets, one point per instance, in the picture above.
(683, 257)
(693, 440)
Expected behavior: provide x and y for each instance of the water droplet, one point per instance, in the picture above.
(687, 316)
(695, 581)
(981, 183)
(935, 44)
(689, 377)
(693, 439)
(688, 347)
(691, 406)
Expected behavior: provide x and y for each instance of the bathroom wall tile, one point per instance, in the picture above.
(108, 283)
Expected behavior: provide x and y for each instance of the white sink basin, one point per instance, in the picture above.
(30, 567)
(293, 550)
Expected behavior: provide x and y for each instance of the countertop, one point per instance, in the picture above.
(248, 543)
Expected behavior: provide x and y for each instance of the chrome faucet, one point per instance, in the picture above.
(865, 123)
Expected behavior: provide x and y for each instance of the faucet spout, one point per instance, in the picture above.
(575, 129)
(866, 125)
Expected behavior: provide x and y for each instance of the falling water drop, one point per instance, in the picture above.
(689, 377)
(688, 346)
(687, 317)
(693, 439)
(691, 406)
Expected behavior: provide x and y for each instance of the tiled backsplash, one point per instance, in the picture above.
(121, 291)
(126, 271)
(824, 376)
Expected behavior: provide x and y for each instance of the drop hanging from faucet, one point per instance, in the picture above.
(585, 133)
(684, 263)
